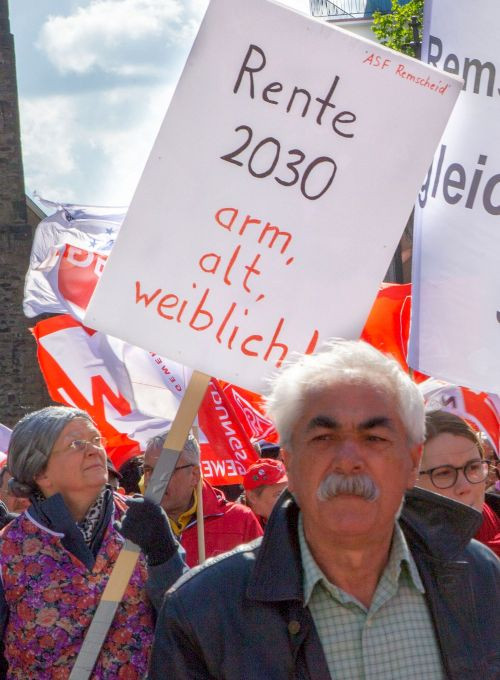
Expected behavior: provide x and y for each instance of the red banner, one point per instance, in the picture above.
(78, 374)
(249, 409)
(78, 274)
(227, 437)
(64, 389)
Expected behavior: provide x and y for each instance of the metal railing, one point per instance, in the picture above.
(349, 9)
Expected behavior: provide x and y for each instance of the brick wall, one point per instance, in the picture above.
(12, 202)
(22, 388)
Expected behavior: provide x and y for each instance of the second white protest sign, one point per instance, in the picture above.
(275, 194)
(455, 332)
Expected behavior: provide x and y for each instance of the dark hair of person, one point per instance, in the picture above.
(131, 472)
(230, 491)
(3, 470)
(440, 422)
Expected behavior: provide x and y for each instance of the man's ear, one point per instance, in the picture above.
(250, 494)
(195, 474)
(285, 454)
(287, 460)
(42, 481)
(416, 457)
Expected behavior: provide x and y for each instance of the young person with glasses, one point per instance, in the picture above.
(453, 465)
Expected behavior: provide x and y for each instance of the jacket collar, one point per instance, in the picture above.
(279, 552)
(213, 500)
(213, 504)
(439, 526)
(53, 514)
(493, 500)
(442, 527)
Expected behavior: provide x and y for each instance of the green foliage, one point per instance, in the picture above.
(394, 30)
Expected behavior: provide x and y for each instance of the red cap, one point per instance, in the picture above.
(264, 473)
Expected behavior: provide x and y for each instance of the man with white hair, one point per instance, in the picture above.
(350, 580)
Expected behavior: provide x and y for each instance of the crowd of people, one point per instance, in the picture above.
(363, 546)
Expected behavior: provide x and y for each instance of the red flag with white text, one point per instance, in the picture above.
(226, 435)
(71, 361)
(133, 395)
(87, 229)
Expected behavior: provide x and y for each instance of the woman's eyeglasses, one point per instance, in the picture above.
(82, 445)
(445, 476)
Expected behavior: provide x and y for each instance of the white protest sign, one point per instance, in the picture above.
(455, 333)
(275, 194)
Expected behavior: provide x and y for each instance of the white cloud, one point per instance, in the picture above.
(68, 156)
(48, 129)
(102, 34)
(126, 149)
(91, 146)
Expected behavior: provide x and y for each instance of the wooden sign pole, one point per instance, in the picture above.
(200, 521)
(127, 559)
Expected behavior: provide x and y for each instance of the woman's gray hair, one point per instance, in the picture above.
(31, 444)
(191, 450)
(353, 360)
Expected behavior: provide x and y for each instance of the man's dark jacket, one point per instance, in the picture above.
(242, 615)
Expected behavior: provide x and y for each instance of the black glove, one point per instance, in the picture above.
(146, 524)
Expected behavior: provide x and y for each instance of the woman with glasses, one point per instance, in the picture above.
(453, 465)
(57, 556)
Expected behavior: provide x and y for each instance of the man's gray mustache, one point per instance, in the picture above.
(356, 485)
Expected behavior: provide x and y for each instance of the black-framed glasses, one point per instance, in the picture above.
(149, 470)
(445, 476)
(181, 467)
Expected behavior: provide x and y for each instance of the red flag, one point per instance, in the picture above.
(76, 375)
(248, 408)
(231, 449)
(81, 370)
(388, 325)
(78, 274)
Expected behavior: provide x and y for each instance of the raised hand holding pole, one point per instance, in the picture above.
(127, 559)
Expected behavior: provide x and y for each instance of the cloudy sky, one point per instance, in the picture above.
(95, 78)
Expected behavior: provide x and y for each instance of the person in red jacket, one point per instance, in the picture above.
(226, 524)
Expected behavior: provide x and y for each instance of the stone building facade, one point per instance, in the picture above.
(22, 388)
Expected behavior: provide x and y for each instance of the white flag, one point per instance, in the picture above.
(85, 227)
(5, 433)
(86, 369)
(455, 331)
